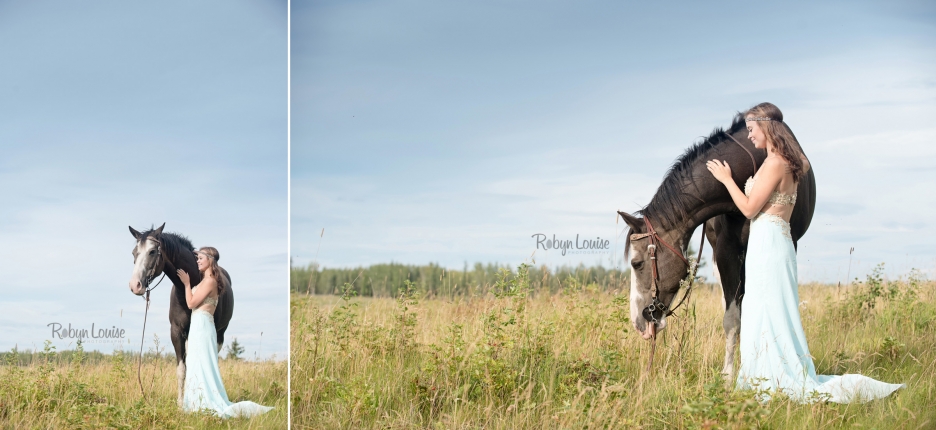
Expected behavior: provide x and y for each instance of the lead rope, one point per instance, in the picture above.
(652, 351)
(692, 279)
(143, 336)
(146, 313)
(685, 296)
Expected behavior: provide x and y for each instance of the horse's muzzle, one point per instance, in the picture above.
(655, 311)
(137, 287)
(650, 332)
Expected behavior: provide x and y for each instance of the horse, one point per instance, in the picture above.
(688, 197)
(156, 253)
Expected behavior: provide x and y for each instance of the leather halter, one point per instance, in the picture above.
(151, 274)
(657, 310)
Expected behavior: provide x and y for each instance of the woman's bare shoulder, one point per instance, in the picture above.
(210, 280)
(775, 165)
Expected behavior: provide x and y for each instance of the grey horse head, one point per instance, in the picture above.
(147, 259)
(670, 266)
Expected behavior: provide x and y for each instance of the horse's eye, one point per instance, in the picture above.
(152, 252)
(637, 264)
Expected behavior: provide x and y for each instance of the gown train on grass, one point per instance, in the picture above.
(203, 386)
(774, 354)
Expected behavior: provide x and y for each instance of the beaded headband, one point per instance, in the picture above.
(205, 254)
(759, 118)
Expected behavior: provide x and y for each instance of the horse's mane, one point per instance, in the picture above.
(669, 206)
(173, 242)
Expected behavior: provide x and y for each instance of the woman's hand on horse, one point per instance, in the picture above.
(720, 170)
(183, 276)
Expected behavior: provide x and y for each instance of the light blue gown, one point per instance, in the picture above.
(203, 386)
(774, 354)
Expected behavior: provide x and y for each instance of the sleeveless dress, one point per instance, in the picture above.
(203, 386)
(774, 354)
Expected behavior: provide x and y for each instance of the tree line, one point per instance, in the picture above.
(387, 280)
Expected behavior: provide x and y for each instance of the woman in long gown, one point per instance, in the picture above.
(774, 354)
(203, 386)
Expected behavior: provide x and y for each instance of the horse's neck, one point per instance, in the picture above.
(717, 201)
(194, 276)
(710, 198)
(681, 234)
(706, 212)
(712, 203)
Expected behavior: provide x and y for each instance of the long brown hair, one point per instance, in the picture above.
(780, 136)
(216, 273)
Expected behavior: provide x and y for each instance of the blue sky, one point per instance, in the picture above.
(451, 132)
(115, 114)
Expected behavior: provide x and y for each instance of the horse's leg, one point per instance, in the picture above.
(732, 325)
(220, 343)
(181, 345)
(728, 251)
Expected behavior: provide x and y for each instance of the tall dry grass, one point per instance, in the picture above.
(521, 360)
(57, 390)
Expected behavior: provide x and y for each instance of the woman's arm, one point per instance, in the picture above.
(769, 176)
(194, 300)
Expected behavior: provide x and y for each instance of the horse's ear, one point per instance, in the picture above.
(635, 223)
(135, 233)
(159, 230)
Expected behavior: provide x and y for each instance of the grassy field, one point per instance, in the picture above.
(519, 359)
(74, 389)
